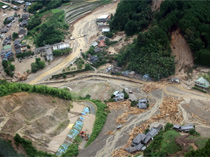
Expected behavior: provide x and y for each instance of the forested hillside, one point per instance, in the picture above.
(151, 52)
(47, 26)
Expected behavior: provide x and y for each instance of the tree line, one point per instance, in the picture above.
(7, 88)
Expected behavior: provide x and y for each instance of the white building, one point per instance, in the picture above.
(61, 46)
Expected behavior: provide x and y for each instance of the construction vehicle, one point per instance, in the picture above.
(87, 137)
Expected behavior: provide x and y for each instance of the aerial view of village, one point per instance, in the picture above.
(104, 78)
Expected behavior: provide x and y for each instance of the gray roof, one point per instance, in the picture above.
(17, 41)
(25, 16)
(22, 31)
(4, 30)
(147, 139)
(139, 138)
(10, 18)
(94, 59)
(176, 127)
(131, 149)
(144, 100)
(187, 127)
(139, 146)
(18, 50)
(142, 105)
(152, 132)
(98, 49)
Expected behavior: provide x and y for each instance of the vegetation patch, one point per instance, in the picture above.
(8, 67)
(37, 65)
(29, 148)
(7, 149)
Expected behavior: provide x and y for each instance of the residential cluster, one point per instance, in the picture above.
(7, 51)
(141, 140)
(102, 23)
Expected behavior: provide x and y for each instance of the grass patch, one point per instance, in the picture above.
(101, 115)
(55, 11)
(168, 144)
(201, 143)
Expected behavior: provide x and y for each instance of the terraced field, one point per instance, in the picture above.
(79, 8)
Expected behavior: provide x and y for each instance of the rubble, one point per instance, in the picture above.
(153, 86)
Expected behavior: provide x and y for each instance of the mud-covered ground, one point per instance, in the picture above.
(191, 103)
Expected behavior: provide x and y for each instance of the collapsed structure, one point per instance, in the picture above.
(118, 96)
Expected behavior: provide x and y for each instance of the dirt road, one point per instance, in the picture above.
(86, 26)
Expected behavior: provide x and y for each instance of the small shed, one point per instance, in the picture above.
(94, 44)
(4, 30)
(105, 29)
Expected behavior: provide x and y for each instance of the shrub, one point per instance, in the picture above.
(64, 75)
(37, 65)
(168, 126)
(126, 96)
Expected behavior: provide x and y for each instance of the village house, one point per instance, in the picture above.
(94, 59)
(49, 54)
(24, 23)
(4, 30)
(25, 16)
(98, 49)
(142, 103)
(202, 82)
(22, 32)
(103, 18)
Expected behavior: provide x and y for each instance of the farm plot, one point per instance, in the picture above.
(78, 9)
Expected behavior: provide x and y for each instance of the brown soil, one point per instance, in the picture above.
(156, 5)
(33, 116)
(181, 50)
(153, 86)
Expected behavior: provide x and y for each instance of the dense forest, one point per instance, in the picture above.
(150, 52)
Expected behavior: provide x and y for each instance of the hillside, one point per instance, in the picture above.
(35, 116)
(151, 52)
